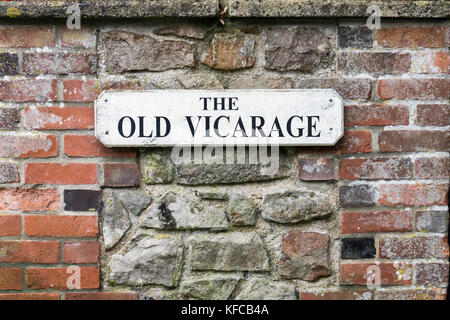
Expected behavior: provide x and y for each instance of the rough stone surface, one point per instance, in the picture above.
(200, 80)
(234, 251)
(355, 37)
(264, 289)
(230, 52)
(261, 82)
(173, 211)
(156, 166)
(210, 195)
(299, 49)
(305, 256)
(9, 63)
(116, 221)
(209, 288)
(148, 261)
(295, 206)
(135, 201)
(187, 31)
(241, 211)
(127, 51)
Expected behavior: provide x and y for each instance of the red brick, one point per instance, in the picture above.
(81, 252)
(59, 63)
(56, 278)
(422, 89)
(57, 173)
(390, 273)
(347, 88)
(353, 141)
(10, 225)
(10, 279)
(83, 38)
(410, 294)
(375, 168)
(432, 168)
(29, 251)
(79, 90)
(430, 62)
(28, 90)
(56, 118)
(360, 294)
(413, 140)
(27, 145)
(412, 37)
(9, 118)
(413, 247)
(101, 296)
(418, 194)
(433, 115)
(9, 172)
(121, 174)
(376, 115)
(29, 296)
(29, 199)
(316, 169)
(27, 36)
(432, 273)
(373, 62)
(375, 221)
(61, 226)
(89, 146)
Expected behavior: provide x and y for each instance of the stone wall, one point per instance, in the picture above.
(141, 226)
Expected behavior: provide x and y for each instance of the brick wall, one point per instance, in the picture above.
(387, 177)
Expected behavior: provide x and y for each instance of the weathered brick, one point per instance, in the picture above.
(418, 194)
(10, 279)
(79, 90)
(61, 226)
(410, 294)
(375, 115)
(9, 118)
(82, 38)
(28, 90)
(57, 173)
(29, 296)
(57, 278)
(432, 221)
(373, 62)
(357, 196)
(89, 146)
(27, 36)
(10, 225)
(375, 221)
(419, 88)
(375, 168)
(413, 140)
(412, 37)
(353, 141)
(29, 199)
(355, 37)
(9, 172)
(402, 247)
(101, 296)
(390, 273)
(82, 200)
(121, 174)
(430, 62)
(347, 88)
(9, 63)
(57, 118)
(316, 169)
(27, 145)
(432, 273)
(29, 251)
(59, 63)
(81, 252)
(433, 115)
(358, 248)
(432, 168)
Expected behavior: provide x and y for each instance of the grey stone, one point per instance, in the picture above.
(188, 31)
(355, 37)
(260, 82)
(156, 166)
(209, 288)
(9, 63)
(173, 211)
(212, 195)
(357, 196)
(116, 221)
(127, 51)
(200, 80)
(234, 251)
(135, 201)
(161, 294)
(295, 206)
(432, 221)
(264, 289)
(242, 211)
(299, 49)
(148, 261)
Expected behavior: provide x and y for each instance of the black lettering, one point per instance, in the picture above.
(158, 127)
(289, 127)
(312, 126)
(205, 103)
(216, 126)
(258, 126)
(191, 126)
(276, 123)
(132, 129)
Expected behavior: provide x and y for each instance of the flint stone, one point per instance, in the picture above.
(116, 221)
(264, 289)
(242, 211)
(156, 166)
(209, 288)
(135, 201)
(187, 31)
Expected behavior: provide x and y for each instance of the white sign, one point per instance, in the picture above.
(289, 117)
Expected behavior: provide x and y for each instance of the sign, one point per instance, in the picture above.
(291, 117)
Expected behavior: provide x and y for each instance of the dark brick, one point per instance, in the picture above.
(432, 221)
(358, 248)
(9, 63)
(9, 172)
(82, 200)
(121, 174)
(9, 118)
(433, 115)
(355, 37)
(357, 196)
